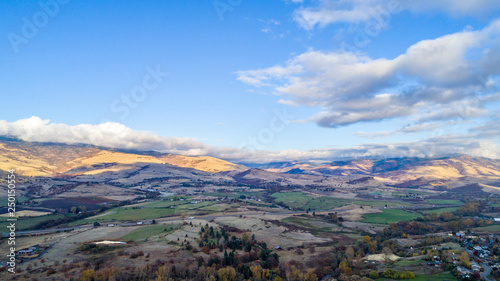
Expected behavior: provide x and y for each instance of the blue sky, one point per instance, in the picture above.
(255, 81)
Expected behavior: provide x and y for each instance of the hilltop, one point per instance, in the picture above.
(50, 159)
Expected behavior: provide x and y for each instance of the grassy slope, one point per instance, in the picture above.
(435, 277)
(26, 223)
(299, 200)
(442, 210)
(292, 199)
(444, 202)
(237, 194)
(389, 216)
(490, 228)
(4, 200)
(148, 231)
(155, 210)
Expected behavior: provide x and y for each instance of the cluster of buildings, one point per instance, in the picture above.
(462, 235)
(482, 252)
(468, 273)
(29, 253)
(480, 249)
(464, 272)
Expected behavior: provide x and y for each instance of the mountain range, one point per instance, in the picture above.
(68, 166)
(399, 169)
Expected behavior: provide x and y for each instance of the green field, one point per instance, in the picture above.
(26, 223)
(489, 228)
(197, 206)
(389, 216)
(20, 199)
(453, 246)
(305, 222)
(442, 210)
(156, 209)
(219, 208)
(443, 276)
(238, 194)
(444, 202)
(292, 199)
(299, 200)
(356, 236)
(146, 232)
(129, 214)
(435, 277)
(406, 262)
(180, 205)
(412, 192)
(324, 203)
(164, 203)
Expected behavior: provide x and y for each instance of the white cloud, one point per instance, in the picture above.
(433, 80)
(108, 134)
(356, 11)
(328, 12)
(116, 135)
(453, 7)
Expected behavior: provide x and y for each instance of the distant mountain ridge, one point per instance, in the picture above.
(398, 169)
(50, 159)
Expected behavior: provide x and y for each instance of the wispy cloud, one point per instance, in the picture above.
(490, 129)
(355, 11)
(270, 21)
(409, 129)
(271, 27)
(328, 12)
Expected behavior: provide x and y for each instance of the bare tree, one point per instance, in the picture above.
(387, 252)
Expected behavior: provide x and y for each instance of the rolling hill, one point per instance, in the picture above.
(50, 159)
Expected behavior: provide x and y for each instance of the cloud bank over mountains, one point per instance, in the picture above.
(116, 135)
